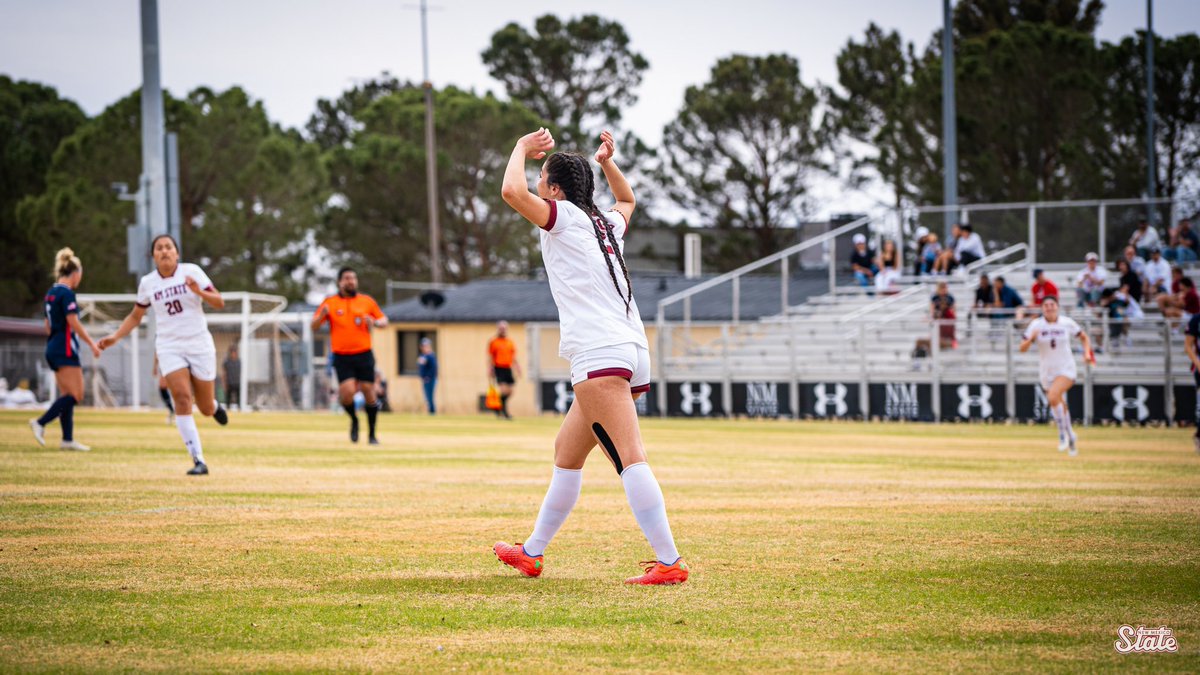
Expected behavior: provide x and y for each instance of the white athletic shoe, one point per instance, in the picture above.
(73, 445)
(1073, 451)
(39, 432)
(1063, 443)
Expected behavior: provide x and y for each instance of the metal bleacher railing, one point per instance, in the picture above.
(847, 337)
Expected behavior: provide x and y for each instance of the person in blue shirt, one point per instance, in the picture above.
(1007, 300)
(62, 350)
(427, 368)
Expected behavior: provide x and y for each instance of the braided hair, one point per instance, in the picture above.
(573, 175)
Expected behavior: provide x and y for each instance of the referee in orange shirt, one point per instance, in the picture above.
(502, 363)
(351, 316)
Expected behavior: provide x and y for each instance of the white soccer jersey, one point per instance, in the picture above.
(1054, 347)
(178, 312)
(591, 310)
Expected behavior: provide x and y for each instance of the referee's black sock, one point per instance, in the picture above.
(372, 412)
(349, 408)
(504, 404)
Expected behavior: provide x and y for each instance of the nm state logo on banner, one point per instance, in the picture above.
(762, 399)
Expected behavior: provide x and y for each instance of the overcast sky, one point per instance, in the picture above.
(289, 53)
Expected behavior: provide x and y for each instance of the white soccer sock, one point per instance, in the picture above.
(1064, 419)
(191, 437)
(560, 499)
(1057, 420)
(646, 499)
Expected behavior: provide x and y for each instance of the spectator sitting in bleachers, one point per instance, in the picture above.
(1181, 304)
(1130, 279)
(985, 297)
(1136, 262)
(1007, 301)
(1042, 287)
(930, 252)
(1156, 276)
(862, 262)
(920, 237)
(888, 264)
(1090, 282)
(1144, 238)
(1123, 309)
(1185, 244)
(968, 248)
(945, 259)
(941, 308)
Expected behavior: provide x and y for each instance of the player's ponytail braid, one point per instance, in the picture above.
(574, 176)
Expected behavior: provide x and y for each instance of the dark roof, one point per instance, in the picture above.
(530, 300)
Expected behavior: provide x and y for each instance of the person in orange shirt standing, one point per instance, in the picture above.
(502, 362)
(351, 316)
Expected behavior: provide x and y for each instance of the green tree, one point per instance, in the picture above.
(335, 122)
(33, 121)
(249, 192)
(1176, 112)
(742, 148)
(379, 216)
(873, 114)
(973, 18)
(579, 75)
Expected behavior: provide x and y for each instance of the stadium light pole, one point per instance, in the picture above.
(435, 227)
(153, 134)
(949, 123)
(1151, 187)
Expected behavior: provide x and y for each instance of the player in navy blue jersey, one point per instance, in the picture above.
(1189, 345)
(62, 350)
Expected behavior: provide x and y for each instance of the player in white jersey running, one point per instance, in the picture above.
(187, 357)
(601, 334)
(1053, 334)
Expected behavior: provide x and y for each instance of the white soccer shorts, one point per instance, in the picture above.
(629, 360)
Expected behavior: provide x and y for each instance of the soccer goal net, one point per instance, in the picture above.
(272, 369)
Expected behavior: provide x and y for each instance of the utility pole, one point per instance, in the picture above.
(153, 134)
(1151, 162)
(435, 227)
(949, 122)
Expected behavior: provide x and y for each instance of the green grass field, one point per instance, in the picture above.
(812, 546)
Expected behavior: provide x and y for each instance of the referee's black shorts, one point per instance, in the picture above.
(360, 366)
(504, 375)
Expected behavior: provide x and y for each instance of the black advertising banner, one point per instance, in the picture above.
(901, 400)
(1130, 402)
(1032, 403)
(973, 401)
(557, 396)
(695, 399)
(829, 399)
(762, 399)
(1185, 404)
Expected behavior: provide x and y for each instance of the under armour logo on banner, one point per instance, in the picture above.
(1121, 404)
(762, 399)
(967, 400)
(698, 402)
(837, 399)
(563, 396)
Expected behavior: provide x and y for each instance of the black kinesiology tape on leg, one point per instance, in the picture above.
(608, 446)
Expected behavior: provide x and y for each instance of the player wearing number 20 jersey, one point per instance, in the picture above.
(187, 358)
(181, 336)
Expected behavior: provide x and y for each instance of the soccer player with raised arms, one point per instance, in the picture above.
(187, 357)
(602, 336)
(1052, 333)
(62, 350)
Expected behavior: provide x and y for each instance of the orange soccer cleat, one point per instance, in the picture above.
(514, 556)
(658, 574)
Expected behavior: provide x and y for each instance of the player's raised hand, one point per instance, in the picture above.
(607, 147)
(192, 285)
(535, 145)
